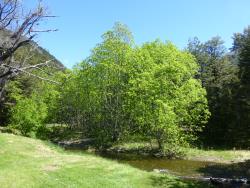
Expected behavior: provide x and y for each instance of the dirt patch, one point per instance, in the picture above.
(44, 151)
(209, 159)
(50, 168)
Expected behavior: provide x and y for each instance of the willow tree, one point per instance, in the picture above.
(111, 58)
(93, 99)
(166, 101)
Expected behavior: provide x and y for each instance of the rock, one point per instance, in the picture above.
(158, 155)
(224, 182)
(77, 144)
(161, 171)
(248, 172)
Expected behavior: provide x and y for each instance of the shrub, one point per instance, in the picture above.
(28, 115)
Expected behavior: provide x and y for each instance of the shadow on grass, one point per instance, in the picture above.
(162, 181)
(235, 170)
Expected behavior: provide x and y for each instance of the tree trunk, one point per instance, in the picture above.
(2, 87)
(160, 145)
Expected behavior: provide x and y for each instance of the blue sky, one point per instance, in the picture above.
(82, 22)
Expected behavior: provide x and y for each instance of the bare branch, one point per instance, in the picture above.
(42, 31)
(24, 70)
(39, 77)
(37, 65)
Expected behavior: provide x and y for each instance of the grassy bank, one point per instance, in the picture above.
(26, 162)
(221, 156)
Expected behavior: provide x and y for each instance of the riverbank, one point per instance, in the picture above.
(26, 162)
(194, 154)
(219, 156)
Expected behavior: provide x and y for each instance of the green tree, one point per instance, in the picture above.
(219, 76)
(32, 104)
(241, 51)
(28, 114)
(166, 101)
(95, 92)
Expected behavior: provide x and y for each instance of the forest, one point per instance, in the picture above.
(153, 94)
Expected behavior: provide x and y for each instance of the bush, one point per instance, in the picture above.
(53, 132)
(10, 129)
(28, 115)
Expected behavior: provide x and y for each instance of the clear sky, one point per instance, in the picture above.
(82, 22)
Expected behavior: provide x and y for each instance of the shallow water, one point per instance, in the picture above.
(187, 168)
(176, 167)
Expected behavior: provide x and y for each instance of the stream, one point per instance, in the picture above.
(192, 170)
(182, 167)
(178, 167)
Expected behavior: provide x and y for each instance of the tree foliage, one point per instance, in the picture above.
(218, 74)
(167, 102)
(240, 127)
(122, 90)
(30, 108)
(28, 115)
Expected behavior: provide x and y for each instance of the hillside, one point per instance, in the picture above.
(39, 53)
(26, 162)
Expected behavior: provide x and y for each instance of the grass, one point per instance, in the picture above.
(220, 156)
(26, 162)
(223, 156)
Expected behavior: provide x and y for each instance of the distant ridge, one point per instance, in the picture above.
(5, 40)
